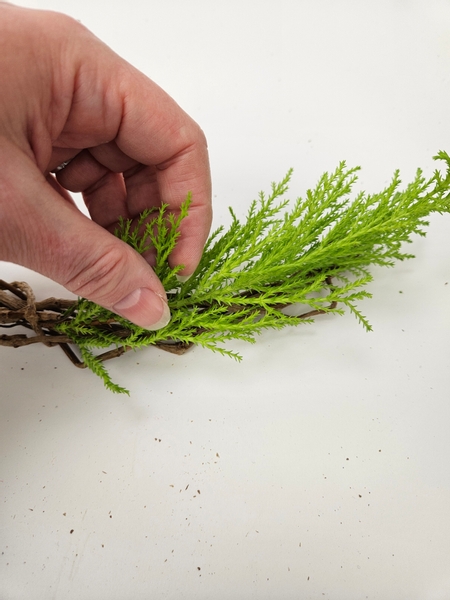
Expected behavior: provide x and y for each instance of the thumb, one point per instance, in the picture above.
(43, 230)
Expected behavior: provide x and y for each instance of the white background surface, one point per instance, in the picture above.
(319, 466)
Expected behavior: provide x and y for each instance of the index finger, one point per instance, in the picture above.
(114, 101)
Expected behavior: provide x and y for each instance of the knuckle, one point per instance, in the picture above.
(99, 278)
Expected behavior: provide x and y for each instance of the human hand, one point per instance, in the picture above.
(68, 97)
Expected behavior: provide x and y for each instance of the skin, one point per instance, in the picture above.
(67, 96)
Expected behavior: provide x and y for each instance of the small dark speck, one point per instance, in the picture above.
(72, 530)
(198, 491)
(199, 569)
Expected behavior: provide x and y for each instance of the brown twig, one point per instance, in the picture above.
(19, 308)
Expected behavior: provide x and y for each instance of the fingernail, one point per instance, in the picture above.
(182, 278)
(144, 308)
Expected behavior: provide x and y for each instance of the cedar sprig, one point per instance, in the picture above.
(318, 254)
(316, 251)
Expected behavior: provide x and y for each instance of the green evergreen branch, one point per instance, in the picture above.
(97, 367)
(315, 253)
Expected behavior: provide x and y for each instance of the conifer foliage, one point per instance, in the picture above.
(315, 251)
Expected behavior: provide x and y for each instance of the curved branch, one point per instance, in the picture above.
(19, 308)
